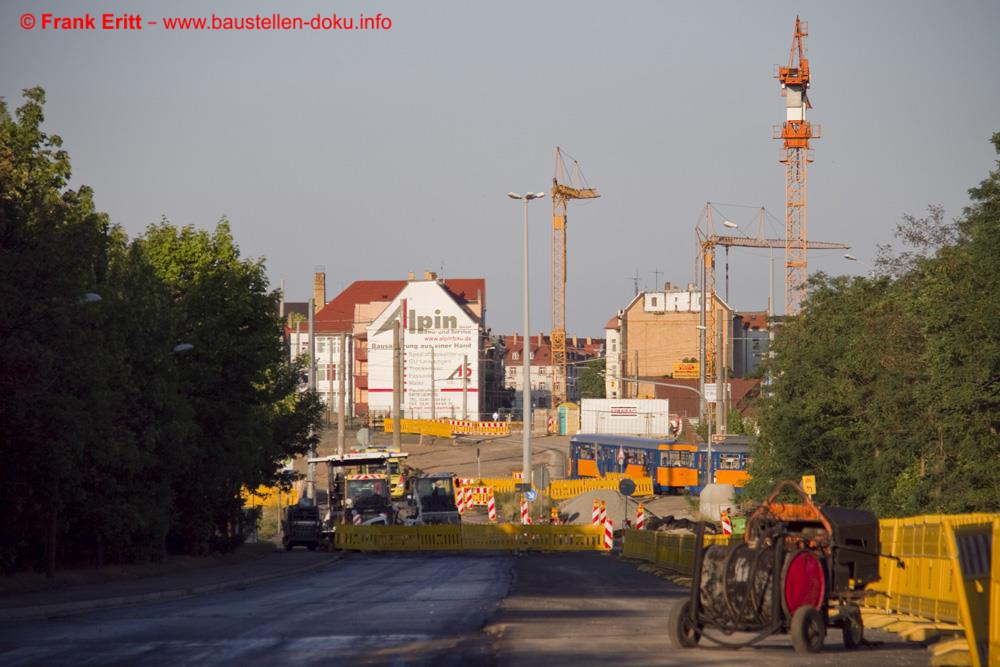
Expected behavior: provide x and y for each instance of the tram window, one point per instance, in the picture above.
(678, 458)
(729, 462)
(586, 452)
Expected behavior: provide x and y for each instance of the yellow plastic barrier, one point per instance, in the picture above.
(268, 496)
(499, 484)
(562, 489)
(436, 428)
(674, 551)
(472, 537)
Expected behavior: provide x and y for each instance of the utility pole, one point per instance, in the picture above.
(342, 395)
(311, 469)
(465, 387)
(720, 400)
(397, 380)
(433, 389)
(702, 333)
(636, 373)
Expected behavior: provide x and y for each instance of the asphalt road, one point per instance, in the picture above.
(432, 609)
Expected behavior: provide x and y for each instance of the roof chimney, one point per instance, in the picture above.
(574, 342)
(319, 289)
(430, 275)
(666, 287)
(409, 275)
(515, 339)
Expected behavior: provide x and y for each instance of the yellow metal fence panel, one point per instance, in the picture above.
(563, 489)
(499, 484)
(674, 551)
(472, 537)
(436, 428)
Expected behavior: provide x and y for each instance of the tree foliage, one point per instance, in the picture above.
(592, 379)
(888, 388)
(116, 449)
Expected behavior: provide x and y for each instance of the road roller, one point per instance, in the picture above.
(800, 569)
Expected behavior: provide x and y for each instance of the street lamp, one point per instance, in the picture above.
(181, 348)
(849, 256)
(525, 350)
(730, 224)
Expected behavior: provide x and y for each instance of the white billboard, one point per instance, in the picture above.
(624, 416)
(436, 334)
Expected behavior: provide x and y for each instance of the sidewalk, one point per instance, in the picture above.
(158, 588)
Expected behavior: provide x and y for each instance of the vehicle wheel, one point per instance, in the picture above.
(852, 627)
(808, 630)
(683, 632)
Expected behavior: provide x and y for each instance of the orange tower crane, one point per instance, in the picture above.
(573, 186)
(796, 132)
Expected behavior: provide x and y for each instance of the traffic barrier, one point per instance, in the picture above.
(491, 508)
(674, 551)
(431, 427)
(357, 519)
(554, 516)
(470, 427)
(470, 537)
(563, 489)
(727, 524)
(525, 517)
(500, 484)
(609, 534)
(460, 498)
(640, 518)
(595, 515)
(604, 513)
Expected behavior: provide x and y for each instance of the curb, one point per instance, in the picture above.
(81, 606)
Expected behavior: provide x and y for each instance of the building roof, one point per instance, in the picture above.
(686, 403)
(614, 323)
(543, 352)
(754, 320)
(337, 316)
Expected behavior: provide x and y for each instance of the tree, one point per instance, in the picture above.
(888, 389)
(592, 379)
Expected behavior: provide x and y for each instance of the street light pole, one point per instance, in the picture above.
(526, 350)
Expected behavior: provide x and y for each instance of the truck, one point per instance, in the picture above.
(358, 489)
(300, 526)
(431, 499)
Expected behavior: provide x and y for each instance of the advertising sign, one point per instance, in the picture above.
(436, 334)
(685, 370)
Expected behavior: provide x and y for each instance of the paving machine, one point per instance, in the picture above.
(801, 568)
(358, 489)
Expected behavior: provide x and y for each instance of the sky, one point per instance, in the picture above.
(374, 153)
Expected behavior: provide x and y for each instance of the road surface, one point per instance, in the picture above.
(424, 609)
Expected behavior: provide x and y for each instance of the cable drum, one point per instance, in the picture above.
(736, 587)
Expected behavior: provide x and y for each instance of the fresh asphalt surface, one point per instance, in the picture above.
(433, 609)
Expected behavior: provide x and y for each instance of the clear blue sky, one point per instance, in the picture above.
(378, 153)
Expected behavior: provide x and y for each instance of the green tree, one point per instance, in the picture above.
(592, 379)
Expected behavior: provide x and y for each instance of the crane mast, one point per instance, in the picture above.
(561, 194)
(796, 132)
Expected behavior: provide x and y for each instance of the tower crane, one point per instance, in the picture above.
(573, 186)
(796, 132)
(708, 240)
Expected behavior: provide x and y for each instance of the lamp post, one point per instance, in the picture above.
(525, 351)
(852, 258)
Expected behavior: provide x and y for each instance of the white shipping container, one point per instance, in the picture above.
(624, 416)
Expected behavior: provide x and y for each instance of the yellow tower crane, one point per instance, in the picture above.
(572, 186)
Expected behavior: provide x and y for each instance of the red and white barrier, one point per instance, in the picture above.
(491, 507)
(595, 516)
(609, 534)
(460, 499)
(554, 516)
(357, 518)
(604, 512)
(727, 524)
(640, 518)
(525, 517)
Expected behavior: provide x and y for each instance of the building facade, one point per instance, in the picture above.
(578, 351)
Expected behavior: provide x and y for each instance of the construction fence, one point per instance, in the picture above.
(446, 428)
(470, 537)
(947, 572)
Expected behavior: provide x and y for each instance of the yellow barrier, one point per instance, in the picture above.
(472, 537)
(674, 551)
(499, 484)
(562, 489)
(436, 428)
(268, 496)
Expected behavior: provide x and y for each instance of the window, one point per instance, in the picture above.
(320, 345)
(515, 356)
(729, 462)
(614, 345)
(678, 459)
(653, 301)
